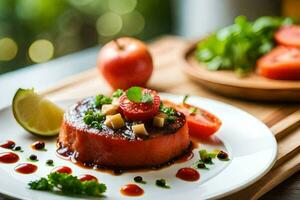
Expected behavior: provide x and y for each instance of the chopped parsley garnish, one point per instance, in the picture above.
(50, 163)
(68, 185)
(139, 179)
(170, 119)
(101, 99)
(200, 165)
(206, 158)
(18, 148)
(170, 112)
(167, 110)
(185, 99)
(135, 94)
(93, 118)
(33, 158)
(42, 184)
(192, 110)
(162, 183)
(147, 98)
(117, 93)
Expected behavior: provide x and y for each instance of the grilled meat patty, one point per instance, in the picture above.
(121, 148)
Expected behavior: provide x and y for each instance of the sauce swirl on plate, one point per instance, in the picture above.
(63, 169)
(188, 174)
(132, 190)
(8, 158)
(87, 177)
(26, 168)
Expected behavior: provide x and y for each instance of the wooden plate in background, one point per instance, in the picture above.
(252, 87)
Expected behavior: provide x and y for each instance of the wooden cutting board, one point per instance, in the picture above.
(168, 53)
(252, 86)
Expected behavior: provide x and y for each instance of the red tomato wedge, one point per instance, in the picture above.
(281, 63)
(201, 123)
(289, 36)
(140, 111)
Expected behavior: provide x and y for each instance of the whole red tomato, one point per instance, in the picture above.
(125, 62)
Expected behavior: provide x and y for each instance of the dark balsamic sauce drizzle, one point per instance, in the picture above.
(65, 153)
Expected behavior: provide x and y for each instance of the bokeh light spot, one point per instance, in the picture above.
(81, 2)
(41, 51)
(8, 49)
(133, 23)
(122, 6)
(109, 24)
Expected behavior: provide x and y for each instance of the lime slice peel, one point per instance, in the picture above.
(36, 114)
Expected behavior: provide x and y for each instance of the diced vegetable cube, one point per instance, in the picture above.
(139, 129)
(158, 121)
(107, 121)
(117, 121)
(109, 109)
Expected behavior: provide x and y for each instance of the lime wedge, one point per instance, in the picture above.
(36, 114)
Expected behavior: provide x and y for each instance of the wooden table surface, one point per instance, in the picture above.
(287, 190)
(283, 119)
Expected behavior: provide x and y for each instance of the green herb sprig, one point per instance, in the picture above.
(68, 185)
(135, 94)
(200, 165)
(170, 112)
(185, 98)
(162, 183)
(206, 158)
(93, 118)
(117, 93)
(139, 179)
(101, 99)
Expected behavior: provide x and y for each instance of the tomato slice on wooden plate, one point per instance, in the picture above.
(201, 123)
(281, 63)
(289, 36)
(140, 111)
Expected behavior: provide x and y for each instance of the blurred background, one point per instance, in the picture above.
(36, 31)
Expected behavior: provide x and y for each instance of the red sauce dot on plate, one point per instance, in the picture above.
(132, 190)
(8, 144)
(188, 174)
(87, 177)
(8, 158)
(26, 168)
(62, 169)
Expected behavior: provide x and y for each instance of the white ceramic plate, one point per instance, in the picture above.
(250, 144)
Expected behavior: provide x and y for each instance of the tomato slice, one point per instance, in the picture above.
(140, 111)
(201, 123)
(281, 63)
(289, 36)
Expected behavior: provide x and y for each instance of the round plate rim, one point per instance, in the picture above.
(270, 164)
